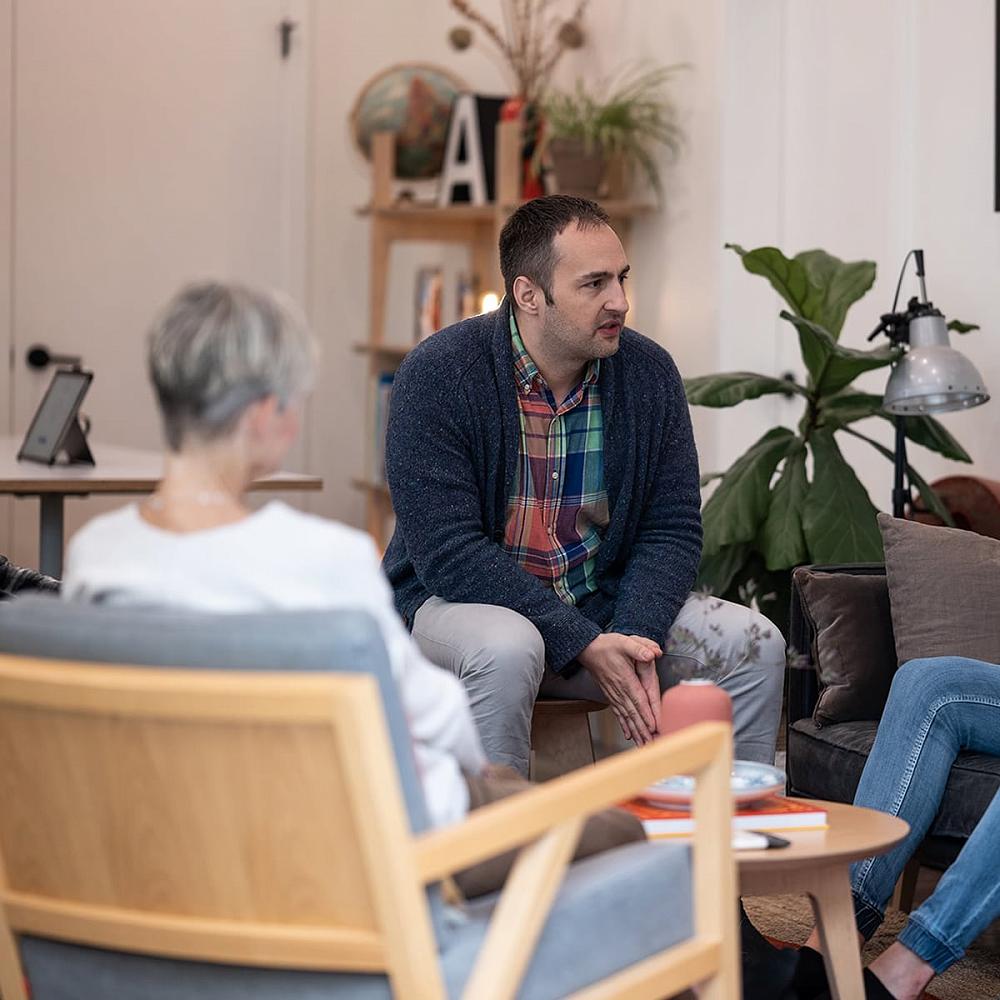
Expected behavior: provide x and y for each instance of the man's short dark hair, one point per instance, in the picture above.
(526, 241)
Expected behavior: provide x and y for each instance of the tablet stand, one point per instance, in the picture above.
(74, 445)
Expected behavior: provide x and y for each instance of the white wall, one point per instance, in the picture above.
(866, 129)
(676, 252)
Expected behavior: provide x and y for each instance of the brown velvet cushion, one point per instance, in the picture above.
(944, 589)
(852, 643)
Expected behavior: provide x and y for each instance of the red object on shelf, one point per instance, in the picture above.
(531, 182)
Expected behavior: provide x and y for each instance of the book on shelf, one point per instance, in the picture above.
(383, 393)
(773, 814)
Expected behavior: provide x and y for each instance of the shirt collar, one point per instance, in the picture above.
(525, 369)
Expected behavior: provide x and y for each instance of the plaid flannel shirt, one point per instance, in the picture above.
(559, 509)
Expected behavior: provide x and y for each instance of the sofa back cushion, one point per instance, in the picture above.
(852, 642)
(944, 590)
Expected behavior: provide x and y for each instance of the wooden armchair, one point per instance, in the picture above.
(236, 822)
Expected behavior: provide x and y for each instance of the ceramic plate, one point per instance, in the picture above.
(750, 781)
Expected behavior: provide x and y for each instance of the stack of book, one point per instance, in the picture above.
(773, 814)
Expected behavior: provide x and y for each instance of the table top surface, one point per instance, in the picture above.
(852, 833)
(118, 470)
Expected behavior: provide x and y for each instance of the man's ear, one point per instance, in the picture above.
(527, 295)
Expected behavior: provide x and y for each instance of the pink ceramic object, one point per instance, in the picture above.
(693, 701)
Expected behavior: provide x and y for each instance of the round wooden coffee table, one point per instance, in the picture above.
(817, 863)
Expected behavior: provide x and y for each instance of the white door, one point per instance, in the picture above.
(153, 142)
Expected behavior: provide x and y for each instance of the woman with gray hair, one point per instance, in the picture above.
(231, 368)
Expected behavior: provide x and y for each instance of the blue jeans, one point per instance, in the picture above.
(936, 708)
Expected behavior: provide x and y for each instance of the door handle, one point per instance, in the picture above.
(39, 356)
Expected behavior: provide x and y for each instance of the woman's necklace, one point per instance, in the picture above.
(202, 498)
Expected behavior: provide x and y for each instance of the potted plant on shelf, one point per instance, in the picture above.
(531, 39)
(588, 133)
(773, 509)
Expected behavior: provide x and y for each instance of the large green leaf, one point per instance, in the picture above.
(717, 570)
(816, 285)
(739, 504)
(781, 538)
(931, 500)
(848, 407)
(934, 435)
(842, 284)
(838, 516)
(788, 278)
(731, 388)
(831, 366)
(959, 327)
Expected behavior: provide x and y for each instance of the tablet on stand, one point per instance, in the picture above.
(55, 429)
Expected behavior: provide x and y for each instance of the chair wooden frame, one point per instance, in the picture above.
(126, 789)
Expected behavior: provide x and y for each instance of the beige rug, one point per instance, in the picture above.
(789, 918)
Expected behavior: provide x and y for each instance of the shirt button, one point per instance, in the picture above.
(555, 475)
(527, 388)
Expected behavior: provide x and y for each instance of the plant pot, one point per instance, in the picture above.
(579, 170)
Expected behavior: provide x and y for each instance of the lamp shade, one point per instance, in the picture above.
(932, 377)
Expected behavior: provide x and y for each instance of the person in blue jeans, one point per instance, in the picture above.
(937, 707)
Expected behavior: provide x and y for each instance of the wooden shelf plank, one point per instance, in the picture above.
(617, 208)
(452, 213)
(367, 486)
(397, 351)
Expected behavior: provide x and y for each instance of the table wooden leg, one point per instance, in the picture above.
(830, 890)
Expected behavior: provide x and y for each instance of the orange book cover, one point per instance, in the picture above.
(775, 813)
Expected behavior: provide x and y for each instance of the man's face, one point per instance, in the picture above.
(589, 305)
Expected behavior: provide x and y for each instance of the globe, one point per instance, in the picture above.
(413, 101)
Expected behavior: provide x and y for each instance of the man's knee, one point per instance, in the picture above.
(510, 656)
(726, 637)
(765, 644)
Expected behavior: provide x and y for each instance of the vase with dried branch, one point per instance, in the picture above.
(533, 37)
(531, 40)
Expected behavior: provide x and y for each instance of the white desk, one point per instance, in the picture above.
(118, 470)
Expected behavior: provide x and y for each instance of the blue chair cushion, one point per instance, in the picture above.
(613, 910)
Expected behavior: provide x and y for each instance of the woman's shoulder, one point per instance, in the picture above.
(313, 530)
(113, 524)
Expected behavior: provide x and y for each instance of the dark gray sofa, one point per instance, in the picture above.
(826, 761)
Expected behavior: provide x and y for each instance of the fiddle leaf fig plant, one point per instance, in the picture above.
(793, 498)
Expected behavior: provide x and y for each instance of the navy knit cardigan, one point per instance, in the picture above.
(451, 462)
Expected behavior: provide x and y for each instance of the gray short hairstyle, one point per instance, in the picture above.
(217, 348)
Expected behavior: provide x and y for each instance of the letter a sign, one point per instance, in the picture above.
(463, 158)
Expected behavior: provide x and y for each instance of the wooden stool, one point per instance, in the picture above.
(560, 736)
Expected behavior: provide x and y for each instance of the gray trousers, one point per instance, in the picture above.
(500, 658)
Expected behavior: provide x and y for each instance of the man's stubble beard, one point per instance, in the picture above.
(573, 344)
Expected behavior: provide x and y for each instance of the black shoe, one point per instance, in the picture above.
(874, 988)
(809, 981)
(767, 971)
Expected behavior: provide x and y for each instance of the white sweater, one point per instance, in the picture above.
(279, 558)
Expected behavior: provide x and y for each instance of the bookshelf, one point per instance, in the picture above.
(476, 226)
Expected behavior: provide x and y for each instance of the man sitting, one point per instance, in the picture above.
(545, 482)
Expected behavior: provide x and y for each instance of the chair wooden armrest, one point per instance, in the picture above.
(552, 815)
(515, 821)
